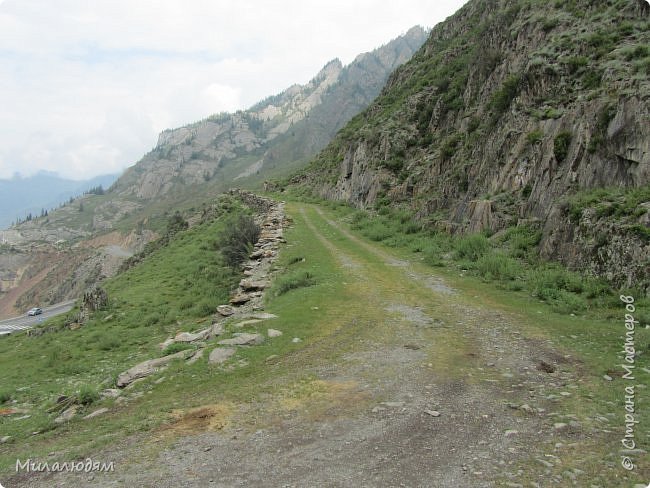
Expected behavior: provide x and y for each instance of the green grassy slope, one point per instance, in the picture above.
(175, 288)
(332, 292)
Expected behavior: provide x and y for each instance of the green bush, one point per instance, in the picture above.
(204, 308)
(561, 146)
(175, 224)
(521, 240)
(498, 266)
(358, 218)
(591, 79)
(237, 239)
(637, 52)
(535, 136)
(503, 97)
(550, 24)
(295, 259)
(605, 116)
(576, 63)
(87, 395)
(448, 148)
(640, 231)
(548, 283)
(394, 164)
(5, 396)
(473, 124)
(472, 247)
(377, 231)
(567, 302)
(615, 202)
(176, 347)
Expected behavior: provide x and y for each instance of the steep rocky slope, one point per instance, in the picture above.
(513, 113)
(188, 166)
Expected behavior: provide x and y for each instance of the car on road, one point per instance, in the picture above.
(34, 311)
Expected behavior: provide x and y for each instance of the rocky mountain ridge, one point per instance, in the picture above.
(226, 147)
(58, 256)
(508, 112)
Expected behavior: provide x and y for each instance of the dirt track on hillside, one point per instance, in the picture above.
(440, 393)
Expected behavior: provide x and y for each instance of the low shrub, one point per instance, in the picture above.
(237, 239)
(567, 302)
(205, 307)
(561, 146)
(152, 319)
(295, 259)
(176, 347)
(504, 96)
(499, 267)
(377, 231)
(472, 247)
(534, 137)
(521, 240)
(87, 395)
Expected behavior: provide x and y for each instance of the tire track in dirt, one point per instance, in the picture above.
(398, 414)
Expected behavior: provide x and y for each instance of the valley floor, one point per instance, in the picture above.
(407, 378)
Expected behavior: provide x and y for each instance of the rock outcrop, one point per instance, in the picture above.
(281, 130)
(507, 110)
(149, 367)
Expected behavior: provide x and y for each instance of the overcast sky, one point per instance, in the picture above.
(85, 87)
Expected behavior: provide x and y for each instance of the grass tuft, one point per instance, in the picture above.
(293, 281)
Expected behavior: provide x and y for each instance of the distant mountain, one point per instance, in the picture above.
(20, 197)
(274, 136)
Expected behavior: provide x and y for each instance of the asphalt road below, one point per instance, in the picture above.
(25, 322)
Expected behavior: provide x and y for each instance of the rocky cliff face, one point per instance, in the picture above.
(282, 129)
(507, 110)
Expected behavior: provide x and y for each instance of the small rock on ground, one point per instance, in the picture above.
(96, 413)
(243, 339)
(225, 310)
(220, 355)
(197, 355)
(67, 415)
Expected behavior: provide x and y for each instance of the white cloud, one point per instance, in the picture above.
(86, 86)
